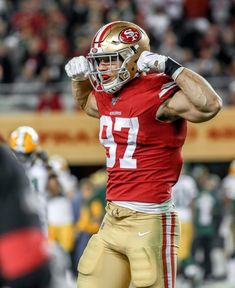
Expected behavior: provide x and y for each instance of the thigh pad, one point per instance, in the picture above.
(143, 266)
(91, 258)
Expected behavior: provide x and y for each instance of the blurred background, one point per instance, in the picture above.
(38, 37)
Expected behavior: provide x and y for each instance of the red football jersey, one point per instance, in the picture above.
(143, 154)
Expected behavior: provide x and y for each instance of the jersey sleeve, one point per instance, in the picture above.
(167, 87)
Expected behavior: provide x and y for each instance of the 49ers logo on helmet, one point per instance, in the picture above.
(129, 35)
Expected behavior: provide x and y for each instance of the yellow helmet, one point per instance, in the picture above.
(121, 41)
(24, 140)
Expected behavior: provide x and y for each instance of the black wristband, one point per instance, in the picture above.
(171, 66)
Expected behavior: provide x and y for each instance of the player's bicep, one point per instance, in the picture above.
(179, 106)
(91, 106)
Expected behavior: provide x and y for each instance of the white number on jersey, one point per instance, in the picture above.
(106, 123)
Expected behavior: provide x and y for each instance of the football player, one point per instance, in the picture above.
(143, 118)
(24, 141)
(67, 180)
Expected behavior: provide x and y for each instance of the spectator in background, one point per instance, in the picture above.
(121, 9)
(29, 18)
(6, 71)
(170, 46)
(49, 100)
(27, 82)
(99, 182)
(34, 52)
(207, 64)
(56, 18)
(231, 94)
(200, 173)
(226, 48)
(197, 9)
(55, 55)
(158, 21)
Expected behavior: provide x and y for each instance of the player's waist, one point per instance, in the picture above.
(148, 208)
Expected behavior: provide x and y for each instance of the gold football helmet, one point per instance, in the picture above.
(119, 41)
(24, 140)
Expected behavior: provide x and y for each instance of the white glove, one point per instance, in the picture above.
(159, 63)
(77, 68)
(149, 60)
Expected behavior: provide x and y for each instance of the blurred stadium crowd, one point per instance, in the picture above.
(38, 37)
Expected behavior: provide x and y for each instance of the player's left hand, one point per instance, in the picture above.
(149, 60)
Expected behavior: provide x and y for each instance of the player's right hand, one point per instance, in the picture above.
(77, 68)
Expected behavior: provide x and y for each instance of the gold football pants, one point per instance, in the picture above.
(131, 247)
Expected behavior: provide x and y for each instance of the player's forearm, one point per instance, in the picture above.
(199, 92)
(81, 91)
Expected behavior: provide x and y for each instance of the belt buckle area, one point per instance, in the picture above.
(112, 210)
(115, 212)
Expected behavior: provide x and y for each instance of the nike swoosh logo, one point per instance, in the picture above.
(143, 233)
